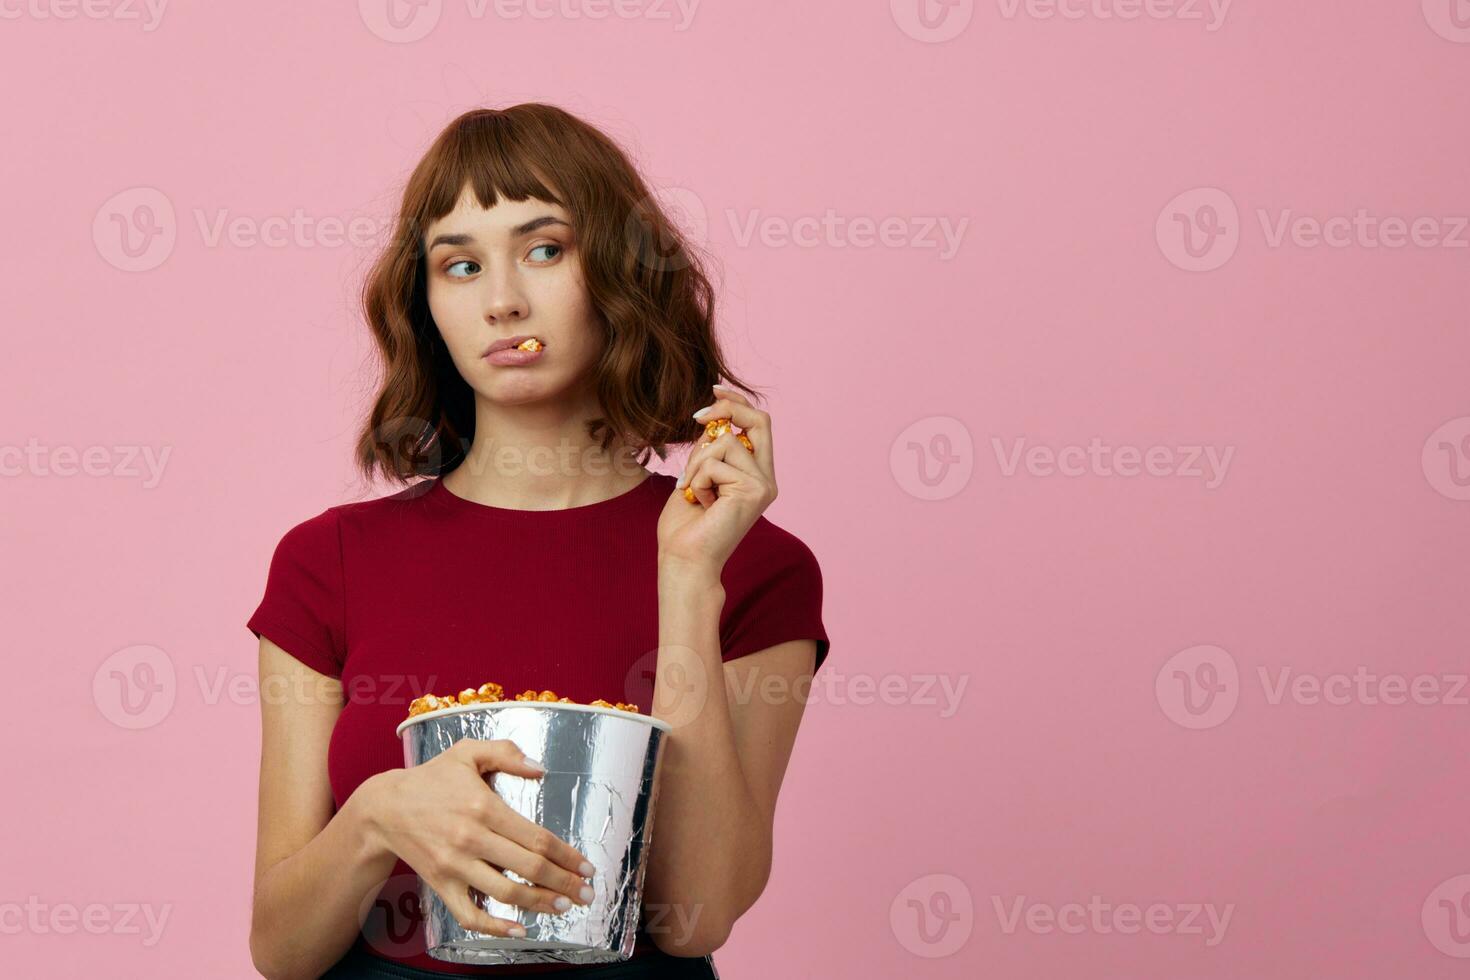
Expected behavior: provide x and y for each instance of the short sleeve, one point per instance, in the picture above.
(773, 594)
(303, 611)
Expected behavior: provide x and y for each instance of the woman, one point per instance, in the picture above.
(539, 553)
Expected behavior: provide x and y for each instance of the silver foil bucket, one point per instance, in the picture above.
(598, 794)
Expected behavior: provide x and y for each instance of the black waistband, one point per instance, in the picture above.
(359, 964)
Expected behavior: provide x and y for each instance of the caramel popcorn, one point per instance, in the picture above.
(530, 343)
(490, 692)
(713, 429)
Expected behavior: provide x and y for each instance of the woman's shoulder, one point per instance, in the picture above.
(768, 549)
(327, 525)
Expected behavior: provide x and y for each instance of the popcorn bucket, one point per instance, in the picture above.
(597, 794)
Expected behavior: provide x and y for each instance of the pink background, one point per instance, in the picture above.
(1083, 758)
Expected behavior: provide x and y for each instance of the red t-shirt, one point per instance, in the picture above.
(426, 592)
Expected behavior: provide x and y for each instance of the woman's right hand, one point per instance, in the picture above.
(446, 823)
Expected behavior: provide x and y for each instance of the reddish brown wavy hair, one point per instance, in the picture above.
(644, 280)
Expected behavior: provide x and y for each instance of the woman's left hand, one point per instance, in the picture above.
(733, 486)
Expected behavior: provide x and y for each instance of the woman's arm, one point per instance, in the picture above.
(313, 869)
(722, 766)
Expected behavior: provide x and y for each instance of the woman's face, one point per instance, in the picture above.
(507, 272)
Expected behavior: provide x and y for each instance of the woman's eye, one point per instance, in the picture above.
(548, 245)
(449, 270)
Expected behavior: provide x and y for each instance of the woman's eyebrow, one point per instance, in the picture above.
(517, 231)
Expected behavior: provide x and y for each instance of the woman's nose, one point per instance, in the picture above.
(504, 299)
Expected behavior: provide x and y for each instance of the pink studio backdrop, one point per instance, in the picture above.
(1117, 355)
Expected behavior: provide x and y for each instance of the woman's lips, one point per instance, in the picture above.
(514, 356)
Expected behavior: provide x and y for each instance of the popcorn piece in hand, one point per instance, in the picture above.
(713, 429)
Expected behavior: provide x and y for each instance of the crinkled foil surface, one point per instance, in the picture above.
(598, 794)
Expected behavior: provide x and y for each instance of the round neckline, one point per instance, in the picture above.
(599, 508)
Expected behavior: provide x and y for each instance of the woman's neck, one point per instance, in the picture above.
(540, 457)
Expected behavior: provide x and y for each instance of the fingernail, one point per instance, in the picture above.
(562, 903)
(587, 893)
(683, 479)
(703, 412)
(587, 869)
(723, 388)
(517, 930)
(535, 763)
